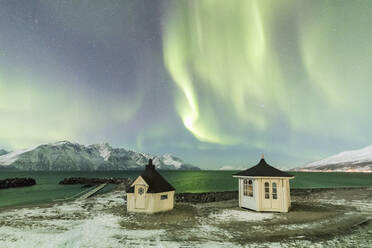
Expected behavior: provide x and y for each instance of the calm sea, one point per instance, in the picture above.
(48, 189)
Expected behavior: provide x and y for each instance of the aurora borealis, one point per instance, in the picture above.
(214, 82)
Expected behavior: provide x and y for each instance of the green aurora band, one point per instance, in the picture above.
(247, 69)
(68, 114)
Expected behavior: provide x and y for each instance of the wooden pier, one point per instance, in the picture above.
(93, 191)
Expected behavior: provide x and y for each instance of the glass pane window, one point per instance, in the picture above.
(250, 188)
(275, 195)
(163, 197)
(141, 191)
(267, 190)
(245, 187)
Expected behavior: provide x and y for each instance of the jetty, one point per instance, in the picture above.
(92, 192)
(84, 194)
(94, 184)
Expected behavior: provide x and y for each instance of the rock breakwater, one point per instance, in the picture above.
(87, 180)
(16, 182)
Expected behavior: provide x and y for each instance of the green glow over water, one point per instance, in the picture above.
(48, 189)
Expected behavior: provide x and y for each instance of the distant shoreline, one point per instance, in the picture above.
(201, 170)
(330, 171)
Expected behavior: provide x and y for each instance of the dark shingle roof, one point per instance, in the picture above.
(155, 181)
(262, 169)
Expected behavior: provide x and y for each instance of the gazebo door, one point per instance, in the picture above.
(275, 197)
(271, 197)
(266, 200)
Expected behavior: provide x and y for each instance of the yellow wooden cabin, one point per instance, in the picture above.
(150, 192)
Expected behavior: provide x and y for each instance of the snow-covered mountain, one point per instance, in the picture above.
(348, 161)
(3, 152)
(67, 156)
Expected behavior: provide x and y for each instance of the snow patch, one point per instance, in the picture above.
(240, 215)
(104, 151)
(11, 157)
(169, 160)
(60, 143)
(363, 155)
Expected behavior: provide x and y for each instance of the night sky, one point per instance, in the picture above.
(214, 82)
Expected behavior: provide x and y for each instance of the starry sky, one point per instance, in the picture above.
(214, 82)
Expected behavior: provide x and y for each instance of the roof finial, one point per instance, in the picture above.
(262, 156)
(150, 165)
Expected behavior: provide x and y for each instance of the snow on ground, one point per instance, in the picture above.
(72, 224)
(93, 232)
(89, 223)
(240, 215)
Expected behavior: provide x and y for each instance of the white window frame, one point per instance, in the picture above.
(245, 187)
(274, 191)
(267, 190)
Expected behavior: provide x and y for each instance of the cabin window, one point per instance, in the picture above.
(141, 191)
(275, 194)
(247, 187)
(163, 197)
(250, 188)
(267, 190)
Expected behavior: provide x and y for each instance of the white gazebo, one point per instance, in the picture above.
(264, 188)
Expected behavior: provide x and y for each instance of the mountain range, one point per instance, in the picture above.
(3, 152)
(347, 161)
(68, 156)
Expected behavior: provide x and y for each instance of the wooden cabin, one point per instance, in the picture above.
(150, 192)
(264, 188)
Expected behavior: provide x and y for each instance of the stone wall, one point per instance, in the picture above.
(16, 182)
(230, 195)
(302, 192)
(206, 197)
(85, 180)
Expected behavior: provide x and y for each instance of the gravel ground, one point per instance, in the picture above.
(332, 218)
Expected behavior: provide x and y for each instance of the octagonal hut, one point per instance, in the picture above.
(264, 188)
(150, 192)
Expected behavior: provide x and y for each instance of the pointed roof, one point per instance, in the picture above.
(156, 182)
(262, 169)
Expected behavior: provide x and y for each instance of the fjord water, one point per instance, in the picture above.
(48, 189)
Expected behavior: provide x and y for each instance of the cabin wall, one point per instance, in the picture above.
(259, 194)
(286, 201)
(153, 202)
(283, 202)
(288, 194)
(160, 205)
(284, 194)
(268, 204)
(131, 203)
(256, 193)
(240, 192)
(246, 201)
